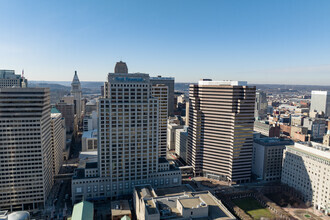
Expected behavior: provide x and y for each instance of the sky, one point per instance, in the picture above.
(273, 41)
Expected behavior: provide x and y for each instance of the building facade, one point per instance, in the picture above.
(58, 140)
(320, 102)
(181, 142)
(25, 148)
(128, 145)
(160, 91)
(9, 79)
(220, 134)
(267, 158)
(169, 82)
(306, 167)
(261, 105)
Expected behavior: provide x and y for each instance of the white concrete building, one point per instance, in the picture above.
(306, 167)
(26, 160)
(90, 121)
(171, 134)
(181, 142)
(320, 102)
(89, 140)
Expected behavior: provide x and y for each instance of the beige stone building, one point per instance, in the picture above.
(306, 167)
(180, 202)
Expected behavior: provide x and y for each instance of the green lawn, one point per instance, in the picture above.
(253, 208)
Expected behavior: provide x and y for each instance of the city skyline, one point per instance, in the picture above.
(282, 42)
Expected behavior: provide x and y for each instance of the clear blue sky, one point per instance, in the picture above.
(264, 41)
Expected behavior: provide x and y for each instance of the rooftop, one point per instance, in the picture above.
(273, 141)
(83, 211)
(90, 134)
(221, 83)
(312, 148)
(165, 202)
(192, 202)
(120, 208)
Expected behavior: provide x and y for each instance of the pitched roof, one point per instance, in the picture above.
(83, 211)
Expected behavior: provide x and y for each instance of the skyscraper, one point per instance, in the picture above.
(320, 102)
(261, 105)
(169, 82)
(9, 79)
(220, 133)
(76, 93)
(25, 148)
(128, 140)
(160, 91)
(58, 139)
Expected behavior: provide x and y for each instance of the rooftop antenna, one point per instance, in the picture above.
(23, 73)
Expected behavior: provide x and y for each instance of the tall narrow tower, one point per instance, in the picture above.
(76, 93)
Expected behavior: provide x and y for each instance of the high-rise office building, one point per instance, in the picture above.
(128, 141)
(261, 105)
(67, 111)
(220, 133)
(58, 139)
(169, 82)
(9, 79)
(76, 93)
(25, 148)
(320, 102)
(160, 92)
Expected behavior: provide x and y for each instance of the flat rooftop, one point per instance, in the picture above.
(120, 208)
(273, 141)
(221, 83)
(190, 203)
(171, 191)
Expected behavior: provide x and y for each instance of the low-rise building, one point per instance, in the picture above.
(89, 140)
(266, 129)
(306, 167)
(177, 203)
(316, 127)
(120, 209)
